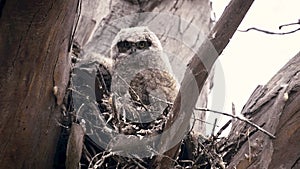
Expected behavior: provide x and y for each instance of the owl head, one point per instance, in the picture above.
(134, 40)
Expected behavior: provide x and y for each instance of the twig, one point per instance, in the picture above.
(187, 161)
(289, 24)
(86, 97)
(161, 100)
(61, 125)
(269, 32)
(138, 164)
(227, 123)
(214, 159)
(194, 122)
(91, 161)
(203, 121)
(163, 156)
(206, 122)
(99, 163)
(244, 119)
(223, 128)
(102, 83)
(233, 108)
(135, 94)
(249, 145)
(86, 154)
(234, 146)
(214, 127)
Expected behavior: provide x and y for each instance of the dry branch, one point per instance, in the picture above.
(276, 33)
(244, 119)
(200, 66)
(270, 32)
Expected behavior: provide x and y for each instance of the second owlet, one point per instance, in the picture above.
(142, 80)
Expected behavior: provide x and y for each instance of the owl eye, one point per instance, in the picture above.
(127, 44)
(123, 46)
(143, 44)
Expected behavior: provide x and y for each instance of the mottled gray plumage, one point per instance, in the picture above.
(142, 80)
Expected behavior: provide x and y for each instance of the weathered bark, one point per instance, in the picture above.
(274, 106)
(34, 42)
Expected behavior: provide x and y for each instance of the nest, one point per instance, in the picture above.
(196, 151)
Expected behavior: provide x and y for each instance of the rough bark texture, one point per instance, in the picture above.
(35, 38)
(276, 108)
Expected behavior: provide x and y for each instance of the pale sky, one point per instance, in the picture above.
(253, 58)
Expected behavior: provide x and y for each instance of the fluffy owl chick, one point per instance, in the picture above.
(141, 72)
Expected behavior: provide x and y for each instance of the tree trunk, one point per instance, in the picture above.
(275, 107)
(35, 41)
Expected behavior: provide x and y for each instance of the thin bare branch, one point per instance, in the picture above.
(290, 24)
(214, 127)
(223, 128)
(270, 32)
(244, 119)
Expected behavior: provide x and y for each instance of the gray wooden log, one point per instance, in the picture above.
(274, 106)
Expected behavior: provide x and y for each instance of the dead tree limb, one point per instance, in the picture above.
(239, 118)
(198, 69)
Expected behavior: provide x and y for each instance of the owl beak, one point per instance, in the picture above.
(132, 50)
